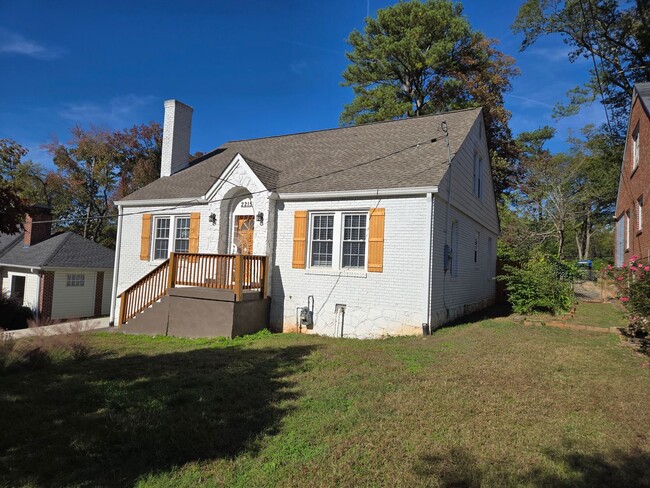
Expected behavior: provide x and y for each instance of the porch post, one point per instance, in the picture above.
(122, 317)
(239, 277)
(171, 273)
(264, 289)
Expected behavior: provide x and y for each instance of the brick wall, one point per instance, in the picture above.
(635, 184)
(99, 293)
(47, 294)
(377, 304)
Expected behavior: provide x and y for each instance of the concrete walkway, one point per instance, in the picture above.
(61, 328)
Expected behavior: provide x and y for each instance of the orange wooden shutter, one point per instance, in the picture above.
(145, 237)
(299, 238)
(195, 219)
(376, 240)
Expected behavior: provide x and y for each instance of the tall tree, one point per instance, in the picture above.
(138, 151)
(614, 34)
(420, 58)
(596, 184)
(546, 192)
(89, 165)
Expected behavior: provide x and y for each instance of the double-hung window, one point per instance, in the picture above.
(182, 238)
(338, 240)
(639, 214)
(165, 239)
(635, 148)
(354, 241)
(161, 238)
(322, 244)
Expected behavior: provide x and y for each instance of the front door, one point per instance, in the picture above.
(245, 225)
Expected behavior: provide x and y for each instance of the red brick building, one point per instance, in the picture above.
(632, 236)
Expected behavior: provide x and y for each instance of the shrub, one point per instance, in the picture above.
(12, 315)
(632, 282)
(540, 284)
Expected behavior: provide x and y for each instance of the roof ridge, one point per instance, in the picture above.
(419, 117)
(57, 250)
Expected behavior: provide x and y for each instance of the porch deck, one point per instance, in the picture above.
(236, 273)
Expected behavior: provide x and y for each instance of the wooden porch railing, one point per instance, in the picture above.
(235, 272)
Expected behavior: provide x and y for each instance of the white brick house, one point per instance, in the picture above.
(369, 228)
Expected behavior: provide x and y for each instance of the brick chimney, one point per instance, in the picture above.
(176, 137)
(38, 225)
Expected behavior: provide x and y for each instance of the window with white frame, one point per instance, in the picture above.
(164, 239)
(182, 237)
(338, 240)
(75, 280)
(627, 229)
(478, 176)
(322, 240)
(477, 240)
(639, 214)
(635, 148)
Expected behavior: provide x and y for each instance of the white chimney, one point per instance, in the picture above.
(176, 137)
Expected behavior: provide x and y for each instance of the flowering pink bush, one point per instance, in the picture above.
(632, 282)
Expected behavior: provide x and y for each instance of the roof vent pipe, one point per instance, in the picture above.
(177, 128)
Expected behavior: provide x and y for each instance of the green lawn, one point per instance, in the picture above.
(482, 404)
(598, 315)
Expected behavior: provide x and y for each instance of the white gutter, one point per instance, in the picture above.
(116, 268)
(162, 201)
(31, 268)
(378, 192)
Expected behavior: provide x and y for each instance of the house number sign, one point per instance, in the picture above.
(246, 204)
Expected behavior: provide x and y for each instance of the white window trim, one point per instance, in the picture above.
(75, 280)
(635, 148)
(627, 229)
(171, 240)
(337, 241)
(639, 214)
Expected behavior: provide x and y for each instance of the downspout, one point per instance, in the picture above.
(428, 265)
(116, 267)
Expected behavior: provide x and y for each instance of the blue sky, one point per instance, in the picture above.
(249, 68)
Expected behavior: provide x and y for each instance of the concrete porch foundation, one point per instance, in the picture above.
(202, 312)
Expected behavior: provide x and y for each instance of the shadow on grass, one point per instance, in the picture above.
(492, 312)
(110, 420)
(458, 467)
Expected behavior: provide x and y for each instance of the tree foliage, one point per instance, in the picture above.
(616, 33)
(421, 58)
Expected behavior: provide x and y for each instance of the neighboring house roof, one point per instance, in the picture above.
(394, 154)
(8, 240)
(64, 250)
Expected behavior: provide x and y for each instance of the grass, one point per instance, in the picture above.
(603, 315)
(482, 404)
(598, 315)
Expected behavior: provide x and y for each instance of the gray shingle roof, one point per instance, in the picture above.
(8, 240)
(371, 156)
(65, 250)
(643, 89)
